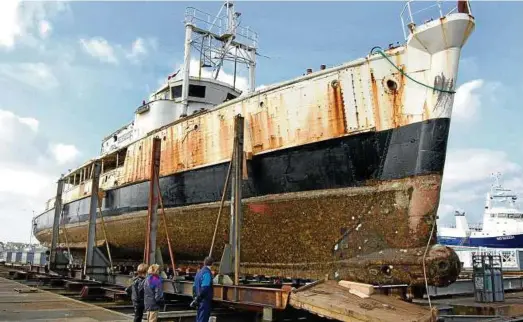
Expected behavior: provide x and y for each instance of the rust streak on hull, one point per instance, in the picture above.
(337, 106)
(376, 102)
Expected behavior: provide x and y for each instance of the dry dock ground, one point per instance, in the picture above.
(19, 302)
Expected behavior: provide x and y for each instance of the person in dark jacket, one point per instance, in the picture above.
(136, 291)
(153, 291)
(203, 292)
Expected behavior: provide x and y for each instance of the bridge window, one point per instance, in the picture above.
(197, 91)
(176, 91)
(194, 91)
(230, 97)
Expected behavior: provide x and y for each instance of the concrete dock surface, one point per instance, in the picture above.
(19, 302)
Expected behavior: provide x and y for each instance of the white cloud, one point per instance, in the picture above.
(140, 48)
(99, 48)
(472, 165)
(468, 177)
(45, 28)
(29, 169)
(10, 123)
(445, 210)
(516, 184)
(23, 21)
(37, 75)
(472, 97)
(467, 101)
(468, 193)
(23, 182)
(242, 83)
(9, 24)
(64, 153)
(31, 122)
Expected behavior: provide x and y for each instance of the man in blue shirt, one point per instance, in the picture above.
(202, 291)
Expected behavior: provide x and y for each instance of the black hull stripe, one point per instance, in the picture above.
(414, 149)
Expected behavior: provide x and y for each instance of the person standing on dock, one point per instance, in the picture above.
(136, 291)
(153, 291)
(203, 292)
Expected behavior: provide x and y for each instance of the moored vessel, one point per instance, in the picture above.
(502, 225)
(340, 163)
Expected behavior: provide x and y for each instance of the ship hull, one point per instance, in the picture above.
(370, 190)
(505, 241)
(342, 162)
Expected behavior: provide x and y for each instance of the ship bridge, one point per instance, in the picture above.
(165, 106)
(199, 85)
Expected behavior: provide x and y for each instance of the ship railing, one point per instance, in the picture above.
(410, 14)
(509, 257)
(219, 25)
(472, 227)
(476, 227)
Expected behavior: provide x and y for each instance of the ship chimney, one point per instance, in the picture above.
(309, 71)
(322, 67)
(143, 102)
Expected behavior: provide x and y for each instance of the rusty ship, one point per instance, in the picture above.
(343, 165)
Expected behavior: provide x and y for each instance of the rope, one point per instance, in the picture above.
(105, 237)
(222, 201)
(171, 254)
(66, 239)
(382, 53)
(424, 256)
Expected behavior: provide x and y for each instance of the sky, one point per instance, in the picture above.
(73, 72)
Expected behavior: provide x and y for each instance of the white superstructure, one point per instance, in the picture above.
(502, 225)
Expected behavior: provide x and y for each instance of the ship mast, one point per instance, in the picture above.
(217, 39)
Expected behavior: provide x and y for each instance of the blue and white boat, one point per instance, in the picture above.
(502, 225)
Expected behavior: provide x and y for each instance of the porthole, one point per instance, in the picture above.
(392, 85)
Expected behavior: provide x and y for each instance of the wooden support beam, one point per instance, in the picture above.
(56, 221)
(152, 211)
(91, 237)
(237, 193)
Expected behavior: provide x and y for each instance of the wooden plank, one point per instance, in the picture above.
(333, 301)
(362, 288)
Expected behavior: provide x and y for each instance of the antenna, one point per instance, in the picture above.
(496, 177)
(218, 39)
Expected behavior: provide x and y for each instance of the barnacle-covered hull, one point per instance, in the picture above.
(308, 207)
(341, 163)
